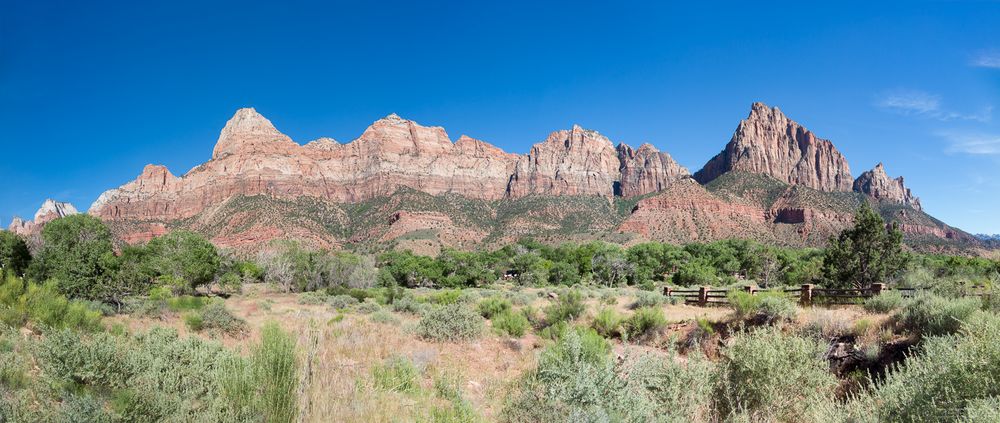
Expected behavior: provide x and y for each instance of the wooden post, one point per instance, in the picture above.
(877, 289)
(703, 296)
(750, 289)
(807, 294)
(667, 291)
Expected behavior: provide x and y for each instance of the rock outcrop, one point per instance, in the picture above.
(770, 143)
(646, 170)
(574, 162)
(877, 184)
(49, 211)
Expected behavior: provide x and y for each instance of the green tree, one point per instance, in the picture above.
(14, 254)
(74, 249)
(868, 253)
(184, 256)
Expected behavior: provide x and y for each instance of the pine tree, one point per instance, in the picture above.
(870, 252)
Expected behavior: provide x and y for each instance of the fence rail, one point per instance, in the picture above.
(806, 294)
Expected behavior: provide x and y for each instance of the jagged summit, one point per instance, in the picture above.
(768, 142)
(249, 131)
(49, 211)
(877, 184)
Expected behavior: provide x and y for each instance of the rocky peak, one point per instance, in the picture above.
(478, 148)
(249, 132)
(395, 135)
(646, 170)
(49, 211)
(877, 184)
(768, 142)
(323, 143)
(569, 162)
(52, 209)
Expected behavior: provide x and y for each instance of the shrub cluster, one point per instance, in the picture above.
(451, 322)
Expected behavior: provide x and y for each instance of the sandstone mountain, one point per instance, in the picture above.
(877, 184)
(49, 211)
(768, 142)
(404, 185)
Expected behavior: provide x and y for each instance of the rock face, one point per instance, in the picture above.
(49, 211)
(573, 162)
(877, 184)
(252, 157)
(646, 170)
(770, 143)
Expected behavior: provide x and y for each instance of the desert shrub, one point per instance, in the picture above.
(396, 374)
(182, 303)
(447, 296)
(510, 323)
(929, 314)
(520, 298)
(648, 299)
(492, 306)
(368, 306)
(357, 293)
(884, 302)
(644, 322)
(384, 317)
(767, 307)
(983, 411)
(609, 297)
(408, 304)
(953, 374)
(452, 322)
(42, 305)
(340, 302)
(575, 380)
(681, 389)
(275, 370)
(769, 376)
(608, 323)
(567, 307)
(217, 317)
(312, 298)
(194, 322)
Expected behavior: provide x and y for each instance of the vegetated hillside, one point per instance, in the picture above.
(734, 205)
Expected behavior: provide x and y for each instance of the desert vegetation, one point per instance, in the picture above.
(177, 330)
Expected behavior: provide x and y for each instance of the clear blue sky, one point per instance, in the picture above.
(92, 91)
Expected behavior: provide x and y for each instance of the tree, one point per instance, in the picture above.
(184, 256)
(14, 254)
(868, 253)
(74, 249)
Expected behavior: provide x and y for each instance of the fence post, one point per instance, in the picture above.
(667, 291)
(877, 289)
(750, 289)
(703, 296)
(807, 294)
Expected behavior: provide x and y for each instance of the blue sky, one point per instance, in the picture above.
(92, 91)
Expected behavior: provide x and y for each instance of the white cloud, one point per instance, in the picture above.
(926, 105)
(989, 59)
(978, 144)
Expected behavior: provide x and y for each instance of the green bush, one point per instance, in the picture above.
(773, 377)
(644, 322)
(368, 306)
(510, 323)
(408, 304)
(340, 302)
(929, 314)
(648, 299)
(492, 306)
(452, 322)
(44, 307)
(312, 298)
(608, 323)
(953, 375)
(396, 374)
(567, 307)
(216, 316)
(884, 302)
(183, 303)
(194, 322)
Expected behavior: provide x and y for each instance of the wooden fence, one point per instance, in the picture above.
(806, 294)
